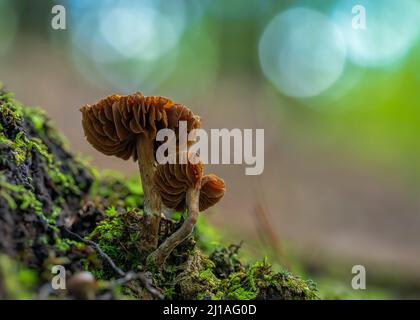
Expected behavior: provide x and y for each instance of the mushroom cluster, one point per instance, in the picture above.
(183, 186)
(173, 181)
(126, 127)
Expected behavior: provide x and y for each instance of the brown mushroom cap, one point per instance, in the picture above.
(212, 190)
(113, 124)
(173, 180)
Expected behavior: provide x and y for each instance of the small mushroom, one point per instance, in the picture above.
(126, 126)
(183, 186)
(82, 285)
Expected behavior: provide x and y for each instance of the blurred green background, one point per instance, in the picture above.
(340, 108)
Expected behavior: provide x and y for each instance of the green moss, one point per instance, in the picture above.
(197, 281)
(17, 147)
(208, 238)
(236, 287)
(37, 116)
(169, 293)
(64, 245)
(226, 260)
(22, 147)
(258, 281)
(41, 125)
(18, 140)
(112, 189)
(40, 183)
(190, 273)
(208, 276)
(111, 211)
(118, 236)
(223, 276)
(18, 197)
(9, 107)
(16, 281)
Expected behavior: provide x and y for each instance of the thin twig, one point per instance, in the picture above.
(144, 277)
(98, 250)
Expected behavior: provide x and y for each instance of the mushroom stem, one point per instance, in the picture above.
(159, 256)
(152, 202)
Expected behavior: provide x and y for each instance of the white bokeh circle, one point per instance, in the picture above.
(390, 29)
(302, 52)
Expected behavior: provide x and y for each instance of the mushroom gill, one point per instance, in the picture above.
(113, 124)
(173, 180)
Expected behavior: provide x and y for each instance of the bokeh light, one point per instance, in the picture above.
(391, 29)
(229, 10)
(302, 52)
(127, 44)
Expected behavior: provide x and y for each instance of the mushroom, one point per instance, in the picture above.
(184, 186)
(82, 285)
(126, 126)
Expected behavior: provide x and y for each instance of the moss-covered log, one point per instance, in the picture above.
(44, 190)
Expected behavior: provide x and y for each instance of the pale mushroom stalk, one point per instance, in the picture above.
(152, 202)
(183, 186)
(159, 256)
